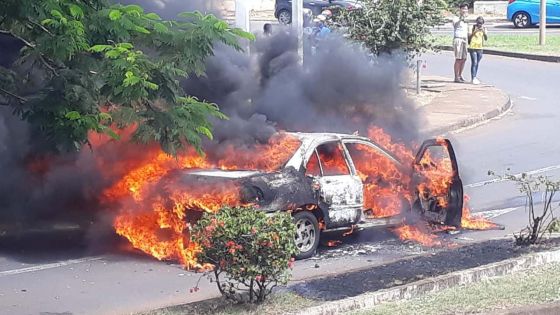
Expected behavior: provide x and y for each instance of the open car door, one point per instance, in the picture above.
(439, 188)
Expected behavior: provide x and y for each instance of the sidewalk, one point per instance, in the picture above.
(449, 106)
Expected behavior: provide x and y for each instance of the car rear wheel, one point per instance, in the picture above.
(521, 20)
(307, 234)
(284, 17)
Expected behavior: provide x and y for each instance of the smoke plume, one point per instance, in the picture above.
(338, 89)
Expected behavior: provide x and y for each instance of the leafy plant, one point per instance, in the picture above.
(109, 64)
(251, 251)
(387, 26)
(542, 221)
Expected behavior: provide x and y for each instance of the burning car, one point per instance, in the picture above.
(332, 181)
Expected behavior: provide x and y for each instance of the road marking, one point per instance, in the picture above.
(490, 214)
(48, 266)
(498, 180)
(527, 98)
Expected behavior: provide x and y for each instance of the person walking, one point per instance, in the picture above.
(460, 42)
(477, 35)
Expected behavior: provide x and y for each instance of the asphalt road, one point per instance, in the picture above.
(40, 280)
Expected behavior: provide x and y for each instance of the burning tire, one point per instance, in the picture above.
(307, 234)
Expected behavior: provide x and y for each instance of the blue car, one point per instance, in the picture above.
(525, 13)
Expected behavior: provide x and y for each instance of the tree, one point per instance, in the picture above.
(386, 26)
(87, 65)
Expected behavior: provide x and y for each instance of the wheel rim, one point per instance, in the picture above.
(521, 20)
(284, 17)
(305, 235)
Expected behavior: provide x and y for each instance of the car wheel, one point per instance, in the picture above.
(307, 234)
(284, 17)
(521, 20)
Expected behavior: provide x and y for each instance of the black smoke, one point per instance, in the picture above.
(339, 89)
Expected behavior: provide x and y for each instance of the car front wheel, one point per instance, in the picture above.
(285, 17)
(307, 234)
(521, 20)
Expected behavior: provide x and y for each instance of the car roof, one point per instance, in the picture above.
(326, 136)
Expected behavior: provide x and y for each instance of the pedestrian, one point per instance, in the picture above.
(460, 42)
(267, 29)
(322, 29)
(477, 35)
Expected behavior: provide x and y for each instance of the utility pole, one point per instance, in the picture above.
(297, 24)
(542, 24)
(243, 20)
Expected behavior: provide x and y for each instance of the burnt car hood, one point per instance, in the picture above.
(224, 173)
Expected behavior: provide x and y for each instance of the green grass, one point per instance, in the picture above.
(277, 304)
(536, 287)
(514, 43)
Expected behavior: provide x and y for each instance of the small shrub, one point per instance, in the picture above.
(542, 221)
(554, 226)
(251, 252)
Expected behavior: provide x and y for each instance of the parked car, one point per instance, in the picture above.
(325, 186)
(525, 13)
(283, 8)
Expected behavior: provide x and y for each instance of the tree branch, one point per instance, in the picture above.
(28, 44)
(20, 99)
(48, 65)
(41, 27)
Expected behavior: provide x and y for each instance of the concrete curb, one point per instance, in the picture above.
(471, 121)
(544, 58)
(419, 288)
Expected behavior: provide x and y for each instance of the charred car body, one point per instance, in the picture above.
(321, 184)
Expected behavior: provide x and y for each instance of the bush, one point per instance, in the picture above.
(542, 221)
(387, 26)
(251, 252)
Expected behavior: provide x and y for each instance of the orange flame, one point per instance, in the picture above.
(156, 212)
(471, 222)
(414, 233)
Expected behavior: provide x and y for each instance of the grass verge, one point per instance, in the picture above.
(280, 303)
(514, 43)
(537, 286)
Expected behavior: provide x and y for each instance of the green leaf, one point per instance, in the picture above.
(73, 115)
(129, 81)
(105, 116)
(112, 54)
(100, 48)
(241, 33)
(76, 11)
(141, 29)
(47, 21)
(115, 15)
(133, 8)
(153, 16)
(161, 28)
(127, 46)
(57, 14)
(205, 131)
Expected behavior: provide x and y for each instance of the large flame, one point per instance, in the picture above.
(156, 212)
